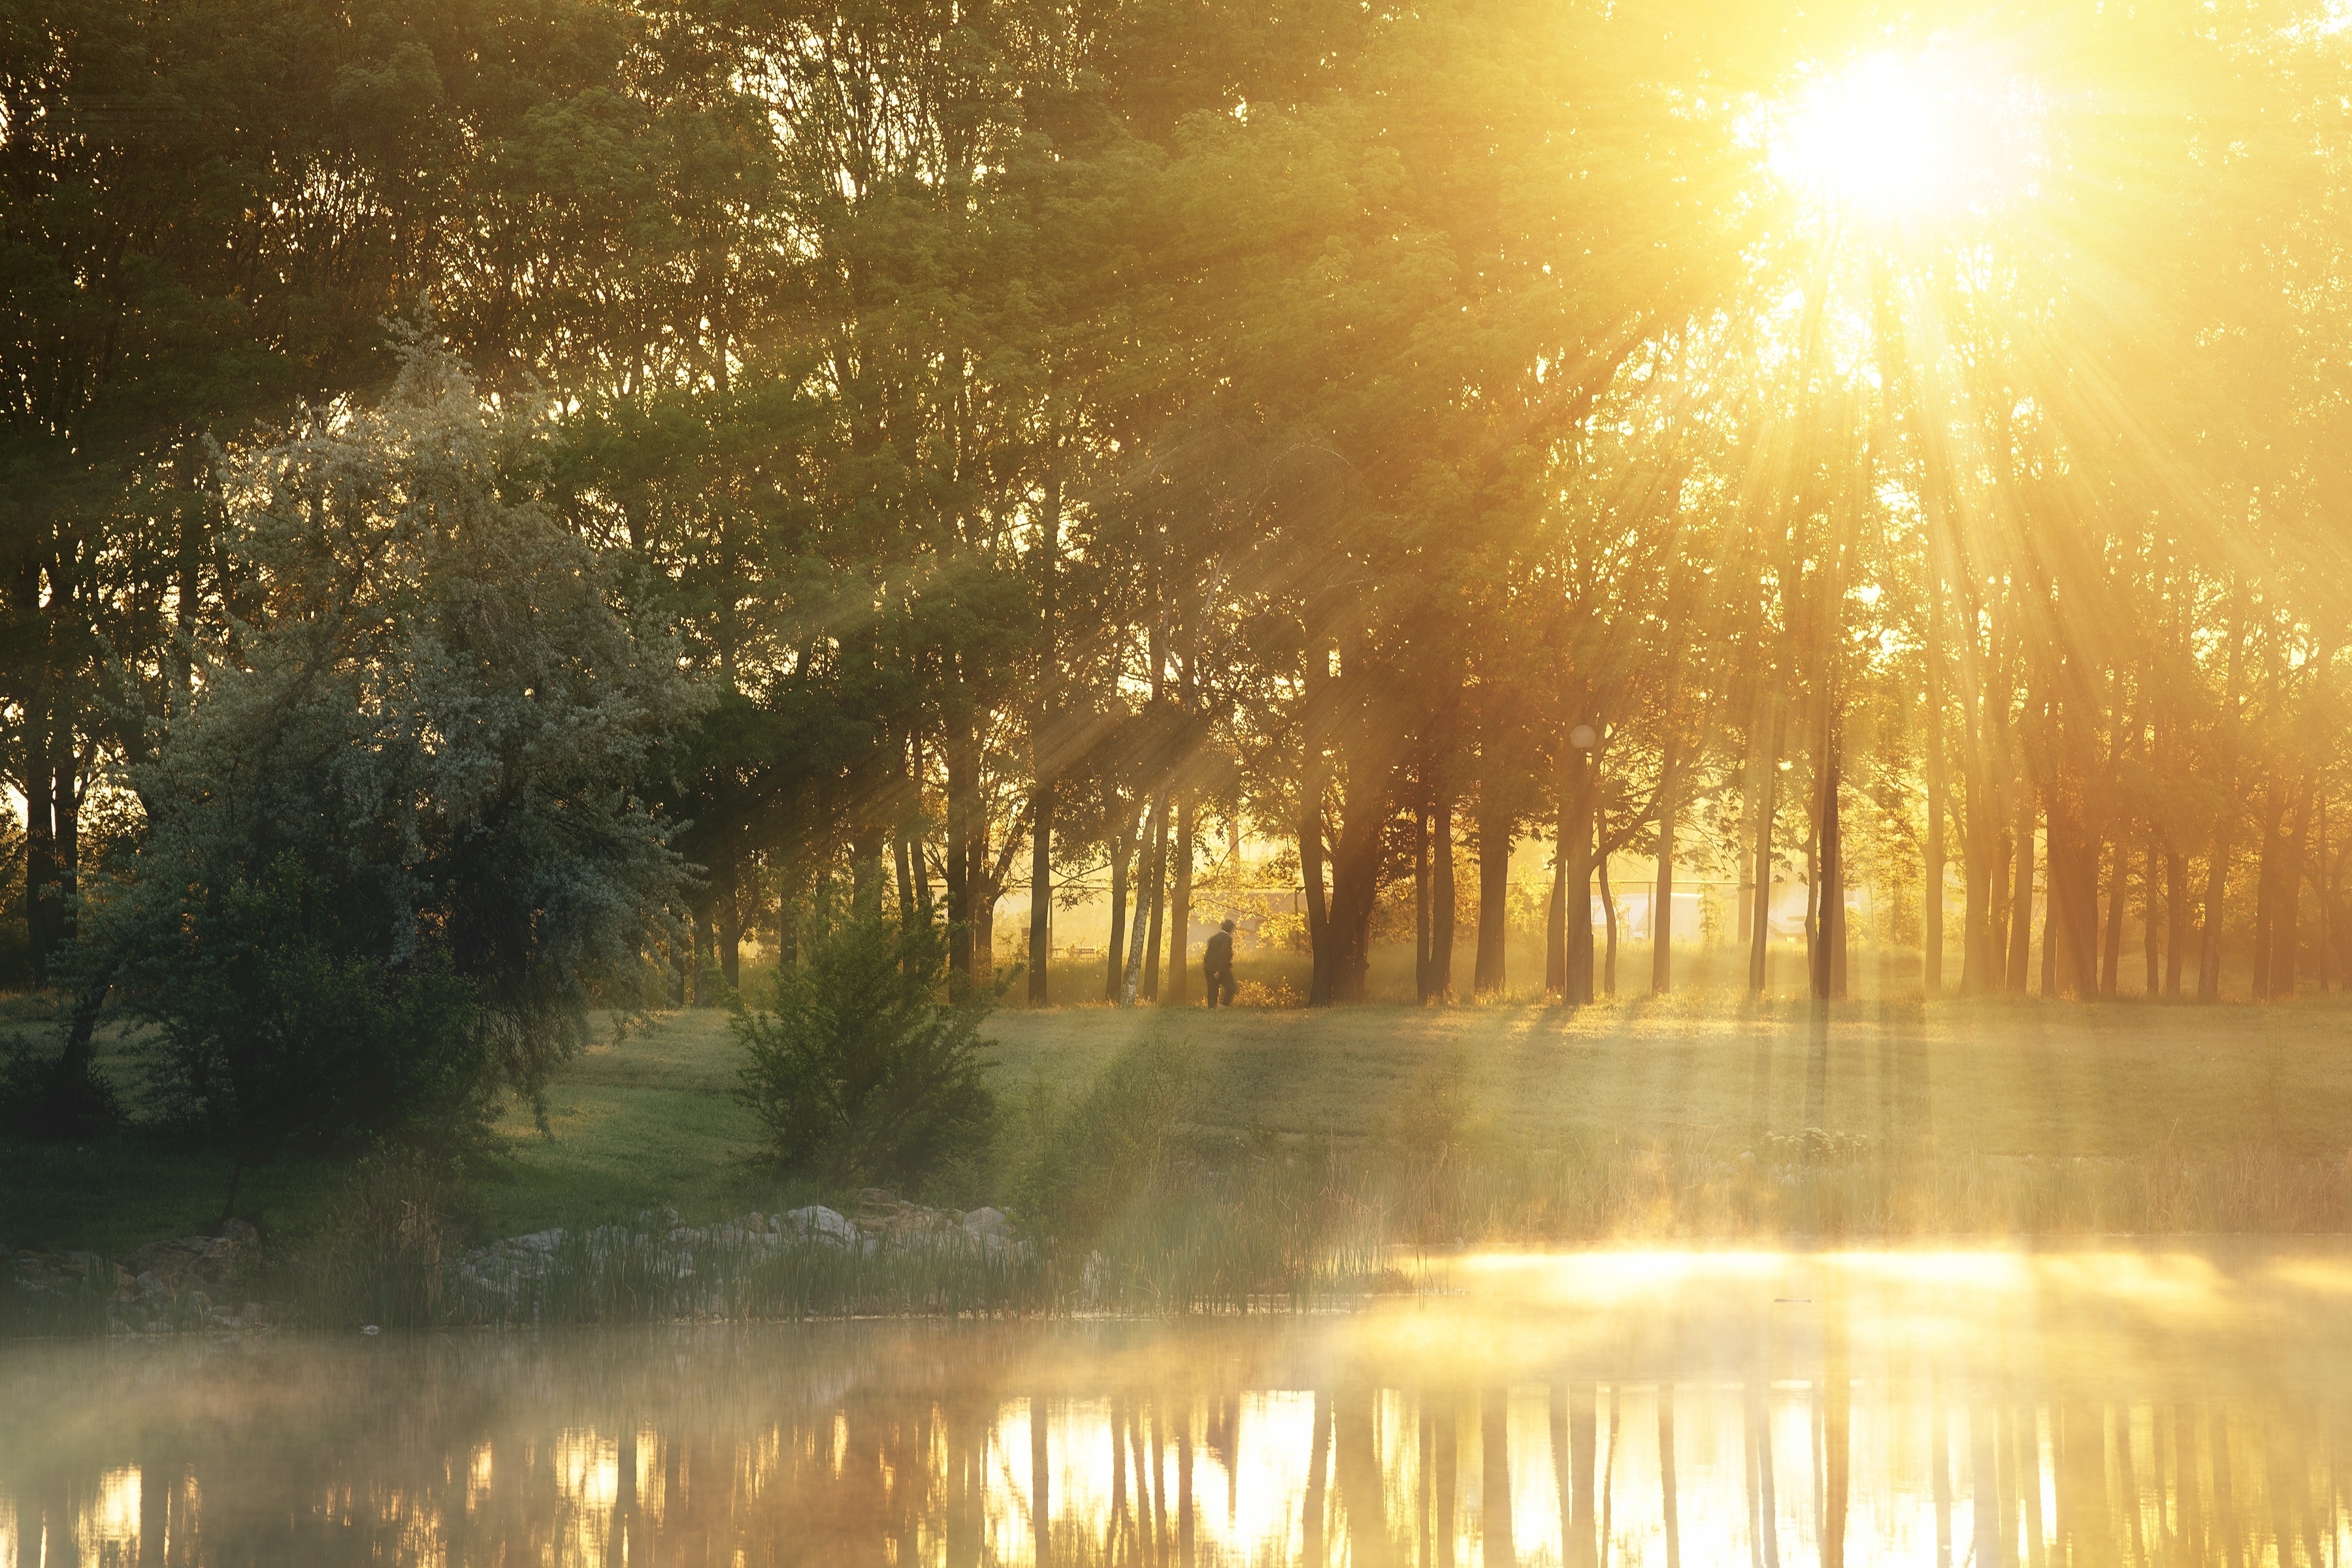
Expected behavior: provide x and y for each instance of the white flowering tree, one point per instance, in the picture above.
(394, 844)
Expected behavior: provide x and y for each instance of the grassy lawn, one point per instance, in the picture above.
(650, 1121)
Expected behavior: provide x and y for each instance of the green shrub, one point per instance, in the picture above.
(271, 1040)
(867, 1072)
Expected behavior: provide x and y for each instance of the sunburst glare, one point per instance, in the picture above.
(1897, 138)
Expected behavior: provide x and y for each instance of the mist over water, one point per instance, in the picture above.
(2175, 1406)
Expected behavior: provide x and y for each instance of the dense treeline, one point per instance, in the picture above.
(1059, 440)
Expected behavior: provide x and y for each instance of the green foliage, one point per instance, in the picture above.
(275, 1036)
(869, 1071)
(51, 1097)
(392, 846)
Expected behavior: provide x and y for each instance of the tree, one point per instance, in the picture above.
(393, 845)
(869, 1071)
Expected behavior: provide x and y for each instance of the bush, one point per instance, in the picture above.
(271, 1040)
(864, 1074)
(53, 1097)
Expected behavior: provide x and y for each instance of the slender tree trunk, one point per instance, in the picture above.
(1609, 925)
(1355, 885)
(1441, 892)
(905, 853)
(1931, 900)
(1829, 943)
(865, 873)
(1159, 884)
(966, 846)
(726, 879)
(1121, 851)
(1420, 953)
(2266, 887)
(1180, 913)
(1042, 725)
(2287, 919)
(1147, 904)
(2151, 935)
(2111, 961)
(2216, 865)
(1314, 784)
(2217, 882)
(1496, 819)
(1980, 873)
(2020, 900)
(1662, 899)
(2326, 881)
(2176, 918)
(1319, 907)
(1768, 806)
(41, 900)
(1998, 929)
(1041, 891)
(1583, 787)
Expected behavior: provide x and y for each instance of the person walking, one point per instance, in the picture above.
(1217, 965)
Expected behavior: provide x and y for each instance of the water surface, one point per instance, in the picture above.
(2120, 1407)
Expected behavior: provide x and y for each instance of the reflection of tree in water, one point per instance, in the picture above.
(957, 1447)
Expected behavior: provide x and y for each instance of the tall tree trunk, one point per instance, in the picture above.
(2217, 862)
(2324, 874)
(2286, 918)
(1159, 885)
(41, 900)
(1581, 785)
(1314, 784)
(865, 873)
(727, 876)
(1496, 792)
(1420, 953)
(2266, 877)
(1442, 892)
(1608, 924)
(1122, 851)
(2151, 936)
(1042, 725)
(1931, 900)
(1179, 924)
(2020, 898)
(1146, 903)
(1319, 907)
(1981, 954)
(1998, 928)
(1768, 806)
(2111, 961)
(1830, 883)
(2176, 918)
(966, 847)
(1041, 890)
(906, 853)
(1661, 899)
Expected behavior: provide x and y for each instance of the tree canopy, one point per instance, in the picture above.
(1867, 446)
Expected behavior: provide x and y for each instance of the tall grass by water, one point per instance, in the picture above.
(1318, 1229)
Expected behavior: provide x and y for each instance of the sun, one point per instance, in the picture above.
(1887, 139)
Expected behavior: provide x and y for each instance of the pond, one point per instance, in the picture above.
(2175, 1406)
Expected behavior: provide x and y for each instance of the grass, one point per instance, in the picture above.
(650, 1121)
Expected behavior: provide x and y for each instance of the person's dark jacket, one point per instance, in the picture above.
(1218, 957)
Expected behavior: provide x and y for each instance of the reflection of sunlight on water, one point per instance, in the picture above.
(1628, 1408)
(112, 1527)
